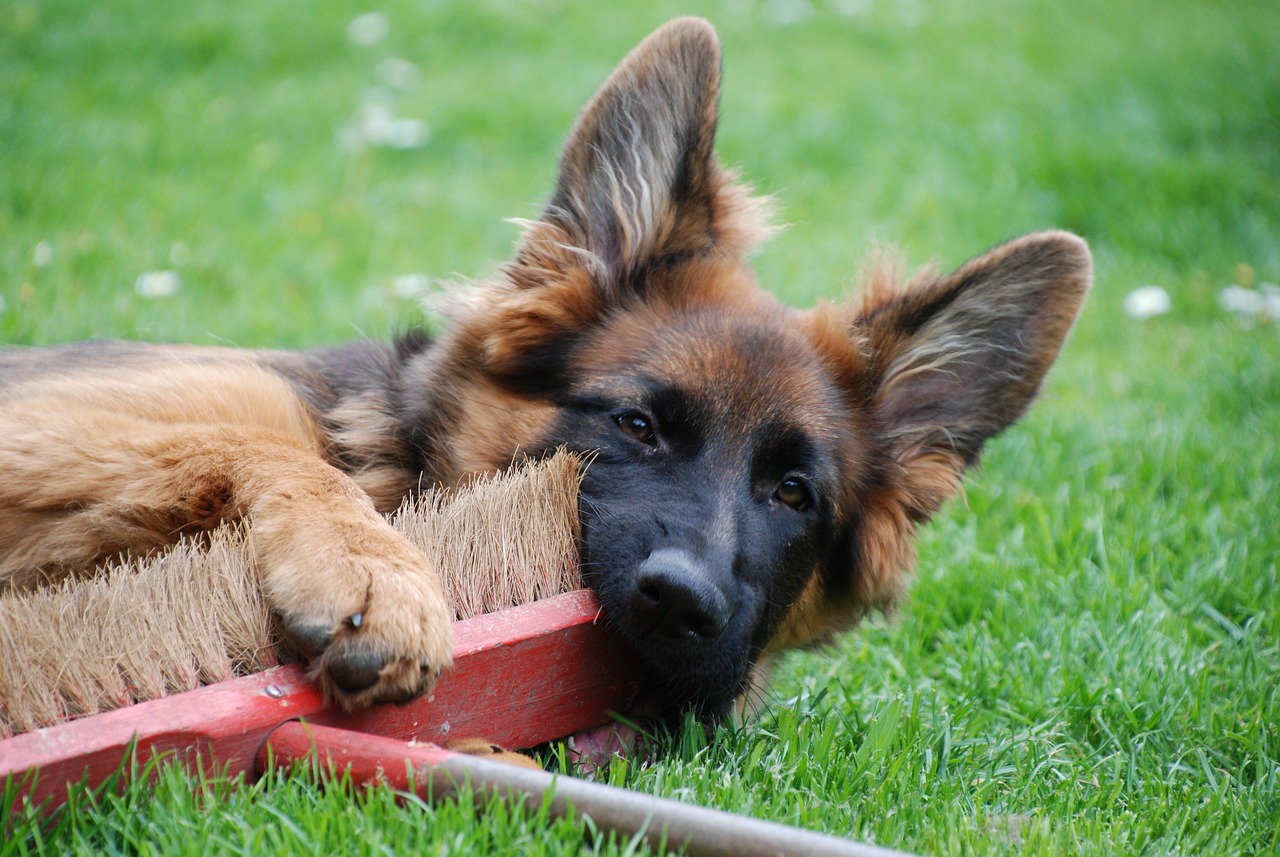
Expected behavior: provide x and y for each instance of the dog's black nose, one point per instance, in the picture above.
(676, 597)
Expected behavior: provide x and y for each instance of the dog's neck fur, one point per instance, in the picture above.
(388, 412)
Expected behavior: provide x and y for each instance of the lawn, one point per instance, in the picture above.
(1089, 662)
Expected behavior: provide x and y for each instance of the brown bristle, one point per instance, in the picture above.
(195, 614)
(501, 541)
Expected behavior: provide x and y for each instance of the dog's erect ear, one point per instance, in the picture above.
(959, 358)
(639, 184)
(639, 191)
(945, 366)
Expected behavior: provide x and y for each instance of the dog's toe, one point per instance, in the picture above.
(374, 626)
(353, 675)
(363, 665)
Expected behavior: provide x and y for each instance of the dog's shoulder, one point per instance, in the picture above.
(327, 376)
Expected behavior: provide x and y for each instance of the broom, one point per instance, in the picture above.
(91, 671)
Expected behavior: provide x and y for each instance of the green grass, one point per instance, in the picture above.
(1090, 660)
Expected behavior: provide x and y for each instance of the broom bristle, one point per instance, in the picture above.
(195, 614)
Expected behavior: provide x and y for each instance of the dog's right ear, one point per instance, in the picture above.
(639, 184)
(639, 191)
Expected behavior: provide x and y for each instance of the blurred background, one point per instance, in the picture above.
(259, 174)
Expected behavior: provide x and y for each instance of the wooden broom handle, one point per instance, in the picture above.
(432, 773)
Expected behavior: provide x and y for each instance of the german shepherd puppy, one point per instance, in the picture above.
(756, 473)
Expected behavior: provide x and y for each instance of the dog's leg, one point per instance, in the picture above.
(79, 486)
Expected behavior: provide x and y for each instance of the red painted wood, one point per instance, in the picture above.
(521, 676)
(532, 674)
(226, 721)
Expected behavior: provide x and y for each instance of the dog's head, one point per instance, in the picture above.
(757, 472)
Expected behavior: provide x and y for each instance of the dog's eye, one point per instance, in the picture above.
(794, 493)
(636, 426)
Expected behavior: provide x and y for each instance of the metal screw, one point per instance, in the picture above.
(273, 691)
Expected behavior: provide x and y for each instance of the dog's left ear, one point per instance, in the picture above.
(954, 361)
(960, 358)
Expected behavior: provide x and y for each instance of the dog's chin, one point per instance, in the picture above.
(701, 679)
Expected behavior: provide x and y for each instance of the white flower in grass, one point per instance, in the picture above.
(410, 286)
(1271, 301)
(407, 134)
(157, 284)
(374, 120)
(1239, 300)
(1147, 302)
(399, 73)
(376, 124)
(42, 255)
(368, 29)
(1261, 304)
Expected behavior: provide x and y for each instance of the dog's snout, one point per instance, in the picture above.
(677, 597)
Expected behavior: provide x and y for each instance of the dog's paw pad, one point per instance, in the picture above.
(355, 670)
(359, 669)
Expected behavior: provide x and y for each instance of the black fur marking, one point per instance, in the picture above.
(542, 371)
(412, 342)
(698, 493)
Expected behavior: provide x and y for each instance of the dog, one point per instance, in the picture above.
(757, 473)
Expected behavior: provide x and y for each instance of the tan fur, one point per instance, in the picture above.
(492, 752)
(95, 467)
(362, 425)
(490, 425)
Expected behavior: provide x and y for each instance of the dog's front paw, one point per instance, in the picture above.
(391, 650)
(365, 608)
